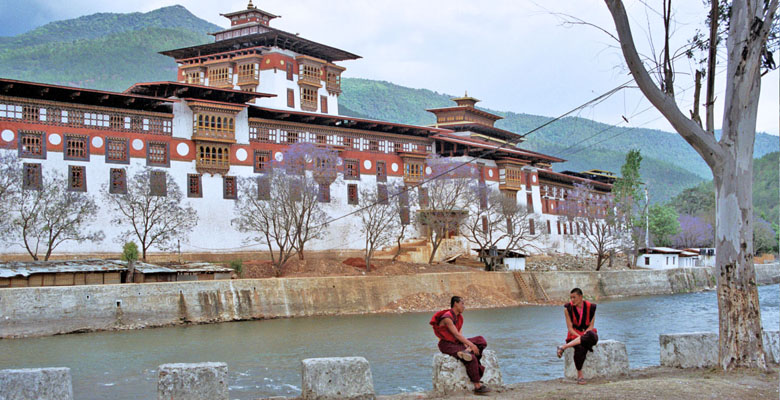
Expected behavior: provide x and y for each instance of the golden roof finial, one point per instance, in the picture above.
(467, 94)
(250, 6)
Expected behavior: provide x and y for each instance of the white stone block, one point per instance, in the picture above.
(337, 378)
(449, 373)
(36, 383)
(609, 358)
(689, 350)
(201, 381)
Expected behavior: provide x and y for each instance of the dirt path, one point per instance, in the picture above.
(645, 384)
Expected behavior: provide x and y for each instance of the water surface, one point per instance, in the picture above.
(264, 356)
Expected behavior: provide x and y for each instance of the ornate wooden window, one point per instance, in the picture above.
(31, 113)
(381, 171)
(32, 144)
(290, 98)
(248, 73)
(117, 183)
(194, 188)
(309, 73)
(351, 169)
(381, 194)
(76, 148)
(290, 71)
(558, 224)
(229, 190)
(413, 171)
(405, 216)
(308, 98)
(530, 203)
(213, 158)
(194, 78)
(423, 193)
(33, 177)
(403, 200)
(263, 188)
(321, 138)
(531, 226)
(373, 145)
(158, 185)
(323, 196)
(348, 142)
(157, 154)
(10, 111)
(262, 161)
(292, 137)
(117, 151)
(220, 76)
(77, 178)
(95, 119)
(549, 228)
(324, 104)
(352, 194)
(213, 126)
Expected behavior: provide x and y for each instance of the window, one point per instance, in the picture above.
(263, 188)
(647, 260)
(117, 183)
(403, 200)
(513, 177)
(290, 71)
(10, 111)
(76, 148)
(373, 145)
(381, 194)
(348, 142)
(116, 151)
(262, 161)
(484, 224)
(531, 227)
(549, 228)
(94, 119)
(157, 184)
(308, 98)
(157, 154)
(405, 216)
(194, 188)
(423, 193)
(483, 197)
(324, 104)
(211, 124)
(413, 171)
(32, 179)
(213, 156)
(290, 98)
(351, 169)
(194, 78)
(31, 144)
(31, 113)
(292, 137)
(323, 196)
(558, 224)
(381, 171)
(229, 188)
(309, 72)
(219, 76)
(247, 72)
(352, 194)
(77, 179)
(321, 138)
(529, 202)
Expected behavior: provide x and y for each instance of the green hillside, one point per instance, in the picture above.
(114, 51)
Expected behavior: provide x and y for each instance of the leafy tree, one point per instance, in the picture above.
(130, 254)
(695, 232)
(152, 213)
(630, 201)
(730, 158)
(764, 237)
(697, 200)
(663, 224)
(44, 218)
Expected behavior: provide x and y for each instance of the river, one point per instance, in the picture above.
(264, 356)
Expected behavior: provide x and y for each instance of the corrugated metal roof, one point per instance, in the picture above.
(27, 268)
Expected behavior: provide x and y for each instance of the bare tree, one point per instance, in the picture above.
(731, 161)
(447, 200)
(151, 209)
(596, 227)
(404, 218)
(47, 214)
(10, 171)
(266, 218)
(379, 218)
(496, 220)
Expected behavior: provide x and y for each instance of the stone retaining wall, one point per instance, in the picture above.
(54, 310)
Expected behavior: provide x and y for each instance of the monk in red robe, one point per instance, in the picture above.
(447, 325)
(581, 335)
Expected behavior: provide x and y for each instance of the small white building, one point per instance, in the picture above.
(706, 256)
(659, 258)
(689, 259)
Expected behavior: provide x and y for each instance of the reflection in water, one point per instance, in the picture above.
(264, 356)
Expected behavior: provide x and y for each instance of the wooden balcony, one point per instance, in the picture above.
(310, 80)
(333, 87)
(212, 166)
(248, 80)
(214, 136)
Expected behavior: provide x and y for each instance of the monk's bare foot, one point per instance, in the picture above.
(464, 355)
(560, 351)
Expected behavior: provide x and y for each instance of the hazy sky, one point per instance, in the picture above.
(515, 55)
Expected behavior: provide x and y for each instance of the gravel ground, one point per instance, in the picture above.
(641, 384)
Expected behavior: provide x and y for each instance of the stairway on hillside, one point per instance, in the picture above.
(530, 289)
(413, 250)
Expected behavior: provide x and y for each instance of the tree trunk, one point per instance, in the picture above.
(129, 278)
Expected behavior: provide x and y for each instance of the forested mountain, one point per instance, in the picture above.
(114, 51)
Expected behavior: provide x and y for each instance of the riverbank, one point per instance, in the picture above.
(46, 311)
(651, 383)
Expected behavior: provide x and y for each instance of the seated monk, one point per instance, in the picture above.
(580, 315)
(447, 325)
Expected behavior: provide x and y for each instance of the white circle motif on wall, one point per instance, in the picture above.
(138, 144)
(241, 154)
(339, 161)
(8, 135)
(490, 173)
(97, 142)
(182, 149)
(428, 171)
(394, 167)
(54, 138)
(279, 156)
(367, 164)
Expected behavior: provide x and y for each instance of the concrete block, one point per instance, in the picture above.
(201, 381)
(36, 383)
(772, 346)
(449, 373)
(609, 358)
(689, 350)
(337, 378)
